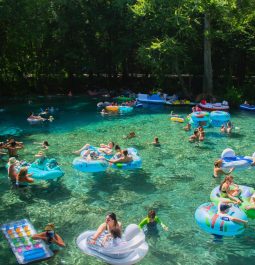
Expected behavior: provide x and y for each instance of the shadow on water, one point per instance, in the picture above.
(110, 183)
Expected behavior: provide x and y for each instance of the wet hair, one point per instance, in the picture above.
(196, 131)
(156, 139)
(116, 232)
(113, 217)
(13, 144)
(217, 162)
(224, 207)
(46, 143)
(125, 152)
(117, 147)
(23, 172)
(151, 214)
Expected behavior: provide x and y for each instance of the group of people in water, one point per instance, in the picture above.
(44, 115)
(230, 192)
(109, 233)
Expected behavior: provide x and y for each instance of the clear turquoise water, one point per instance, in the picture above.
(175, 180)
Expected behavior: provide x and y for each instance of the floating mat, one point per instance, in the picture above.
(19, 235)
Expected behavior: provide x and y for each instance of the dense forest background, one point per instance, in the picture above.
(185, 46)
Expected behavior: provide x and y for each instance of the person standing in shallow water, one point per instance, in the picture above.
(151, 222)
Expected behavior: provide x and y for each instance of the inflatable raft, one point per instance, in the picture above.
(230, 159)
(131, 250)
(27, 250)
(216, 106)
(246, 193)
(247, 107)
(45, 170)
(200, 118)
(211, 222)
(218, 118)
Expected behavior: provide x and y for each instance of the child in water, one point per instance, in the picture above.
(156, 142)
(151, 222)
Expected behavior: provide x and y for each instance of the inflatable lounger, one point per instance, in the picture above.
(131, 250)
(19, 235)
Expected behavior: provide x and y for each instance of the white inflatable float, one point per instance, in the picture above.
(131, 250)
(230, 159)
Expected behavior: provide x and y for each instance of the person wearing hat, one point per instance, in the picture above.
(223, 208)
(52, 239)
(12, 169)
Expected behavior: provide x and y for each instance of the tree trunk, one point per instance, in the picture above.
(182, 83)
(208, 75)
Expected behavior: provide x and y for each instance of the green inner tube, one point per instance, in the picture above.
(250, 213)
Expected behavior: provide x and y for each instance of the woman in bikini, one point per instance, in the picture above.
(227, 193)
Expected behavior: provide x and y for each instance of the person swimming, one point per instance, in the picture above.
(156, 142)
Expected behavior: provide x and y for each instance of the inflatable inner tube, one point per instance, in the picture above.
(209, 221)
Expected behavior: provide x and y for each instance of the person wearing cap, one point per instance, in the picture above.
(51, 238)
(223, 208)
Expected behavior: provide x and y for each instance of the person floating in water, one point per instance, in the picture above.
(130, 135)
(187, 127)
(151, 222)
(44, 144)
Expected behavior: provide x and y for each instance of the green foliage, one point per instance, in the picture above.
(234, 95)
(44, 40)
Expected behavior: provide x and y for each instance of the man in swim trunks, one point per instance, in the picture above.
(12, 146)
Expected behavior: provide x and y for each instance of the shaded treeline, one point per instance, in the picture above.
(49, 46)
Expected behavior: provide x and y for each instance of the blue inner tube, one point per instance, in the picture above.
(209, 221)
